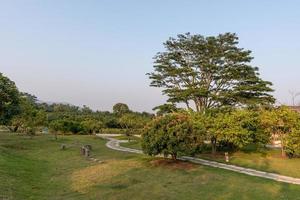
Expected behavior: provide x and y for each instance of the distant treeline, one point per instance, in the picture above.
(23, 112)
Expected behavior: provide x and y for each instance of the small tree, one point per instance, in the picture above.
(120, 109)
(292, 145)
(86, 110)
(30, 116)
(127, 122)
(172, 134)
(55, 126)
(92, 125)
(66, 126)
(233, 129)
(132, 121)
(281, 122)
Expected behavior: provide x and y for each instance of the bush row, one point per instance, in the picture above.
(188, 133)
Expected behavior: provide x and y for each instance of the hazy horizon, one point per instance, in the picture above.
(97, 53)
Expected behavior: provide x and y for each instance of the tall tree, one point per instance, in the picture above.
(86, 110)
(9, 99)
(211, 71)
(165, 109)
(120, 108)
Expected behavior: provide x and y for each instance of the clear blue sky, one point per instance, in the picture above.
(98, 52)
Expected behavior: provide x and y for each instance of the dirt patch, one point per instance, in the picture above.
(85, 178)
(173, 164)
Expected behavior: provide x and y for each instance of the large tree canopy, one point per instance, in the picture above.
(212, 72)
(9, 99)
(165, 109)
(120, 108)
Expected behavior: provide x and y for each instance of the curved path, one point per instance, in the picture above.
(115, 144)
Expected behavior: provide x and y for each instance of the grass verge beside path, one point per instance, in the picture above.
(136, 144)
(268, 160)
(124, 137)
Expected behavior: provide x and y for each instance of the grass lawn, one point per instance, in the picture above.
(134, 144)
(269, 160)
(124, 137)
(37, 169)
(266, 160)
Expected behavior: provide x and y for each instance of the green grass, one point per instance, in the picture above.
(265, 160)
(124, 137)
(268, 160)
(134, 144)
(37, 169)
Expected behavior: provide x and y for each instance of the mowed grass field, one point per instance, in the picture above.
(37, 169)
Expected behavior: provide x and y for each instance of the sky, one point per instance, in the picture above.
(97, 53)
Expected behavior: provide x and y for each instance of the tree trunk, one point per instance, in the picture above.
(213, 145)
(174, 156)
(187, 105)
(283, 154)
(10, 128)
(196, 105)
(16, 129)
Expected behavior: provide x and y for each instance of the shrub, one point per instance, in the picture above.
(292, 142)
(283, 123)
(172, 134)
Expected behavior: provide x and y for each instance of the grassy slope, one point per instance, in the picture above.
(37, 169)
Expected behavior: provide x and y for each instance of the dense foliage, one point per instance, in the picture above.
(23, 112)
(172, 134)
(30, 116)
(165, 109)
(232, 130)
(182, 132)
(283, 123)
(9, 99)
(67, 118)
(120, 109)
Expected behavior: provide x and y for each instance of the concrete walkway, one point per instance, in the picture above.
(115, 144)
